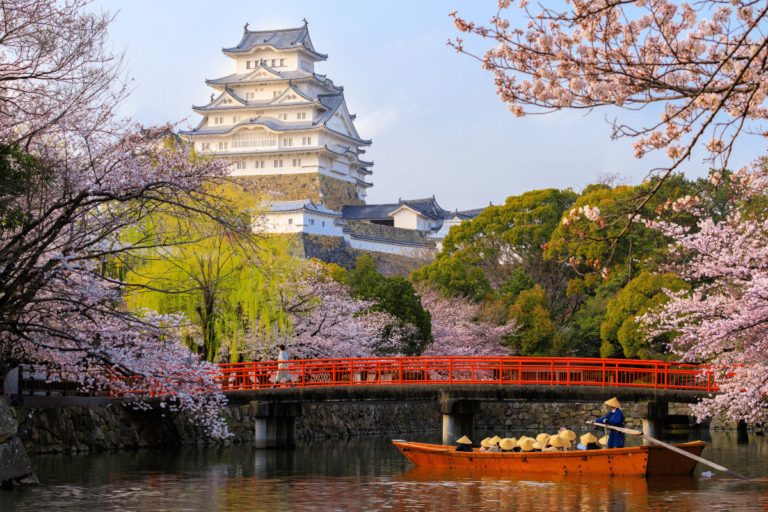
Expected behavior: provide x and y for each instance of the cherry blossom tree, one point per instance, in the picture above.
(325, 321)
(458, 329)
(703, 66)
(75, 178)
(723, 322)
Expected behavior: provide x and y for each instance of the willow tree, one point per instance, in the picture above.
(223, 279)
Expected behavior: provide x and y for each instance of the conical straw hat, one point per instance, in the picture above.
(464, 440)
(603, 440)
(485, 443)
(588, 438)
(613, 402)
(542, 438)
(527, 444)
(566, 444)
(515, 440)
(495, 440)
(568, 435)
(550, 449)
(507, 444)
(557, 441)
(538, 446)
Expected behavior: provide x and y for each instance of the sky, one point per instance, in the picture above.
(437, 126)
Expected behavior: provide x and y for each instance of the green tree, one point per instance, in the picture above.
(620, 332)
(537, 335)
(396, 296)
(501, 240)
(221, 279)
(452, 276)
(518, 282)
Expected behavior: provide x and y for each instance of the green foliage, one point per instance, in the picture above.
(452, 276)
(620, 332)
(18, 174)
(639, 249)
(518, 282)
(583, 327)
(219, 278)
(537, 334)
(396, 296)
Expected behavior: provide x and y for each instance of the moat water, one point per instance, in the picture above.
(369, 474)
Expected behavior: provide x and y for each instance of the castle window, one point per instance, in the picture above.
(241, 165)
(234, 119)
(277, 163)
(250, 95)
(287, 142)
(311, 222)
(301, 115)
(254, 139)
(275, 93)
(273, 62)
(248, 65)
(290, 221)
(222, 146)
(297, 162)
(282, 62)
(323, 223)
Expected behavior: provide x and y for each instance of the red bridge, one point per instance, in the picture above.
(502, 371)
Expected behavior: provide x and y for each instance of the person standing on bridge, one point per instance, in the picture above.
(283, 375)
(615, 418)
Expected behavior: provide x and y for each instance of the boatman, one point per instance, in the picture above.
(464, 445)
(615, 418)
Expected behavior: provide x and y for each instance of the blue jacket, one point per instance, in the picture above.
(615, 419)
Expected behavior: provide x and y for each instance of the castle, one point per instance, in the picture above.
(287, 129)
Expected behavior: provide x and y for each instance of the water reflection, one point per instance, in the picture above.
(370, 474)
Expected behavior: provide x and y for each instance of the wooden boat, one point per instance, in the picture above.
(635, 461)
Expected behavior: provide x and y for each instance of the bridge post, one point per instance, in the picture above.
(275, 424)
(653, 414)
(458, 419)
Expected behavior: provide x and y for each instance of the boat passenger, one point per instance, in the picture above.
(537, 446)
(507, 445)
(542, 438)
(464, 445)
(614, 418)
(603, 442)
(558, 443)
(569, 436)
(485, 444)
(527, 445)
(495, 440)
(588, 442)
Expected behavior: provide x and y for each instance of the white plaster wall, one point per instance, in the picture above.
(406, 219)
(302, 222)
(366, 245)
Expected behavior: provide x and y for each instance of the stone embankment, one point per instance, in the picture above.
(115, 427)
(15, 467)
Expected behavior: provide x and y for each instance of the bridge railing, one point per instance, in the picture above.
(465, 370)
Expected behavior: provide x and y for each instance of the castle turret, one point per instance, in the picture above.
(283, 126)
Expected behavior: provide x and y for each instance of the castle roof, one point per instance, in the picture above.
(331, 101)
(301, 205)
(289, 39)
(295, 75)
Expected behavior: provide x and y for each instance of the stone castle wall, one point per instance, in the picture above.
(332, 249)
(331, 192)
(114, 427)
(388, 232)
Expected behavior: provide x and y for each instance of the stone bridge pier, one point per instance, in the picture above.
(275, 423)
(458, 419)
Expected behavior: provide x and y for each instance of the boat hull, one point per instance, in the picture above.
(636, 461)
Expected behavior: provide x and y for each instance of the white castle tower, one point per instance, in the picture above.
(283, 126)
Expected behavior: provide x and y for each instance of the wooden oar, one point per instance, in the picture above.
(674, 449)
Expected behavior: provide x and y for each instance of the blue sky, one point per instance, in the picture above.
(437, 125)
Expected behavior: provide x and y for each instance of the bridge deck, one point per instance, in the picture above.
(479, 392)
